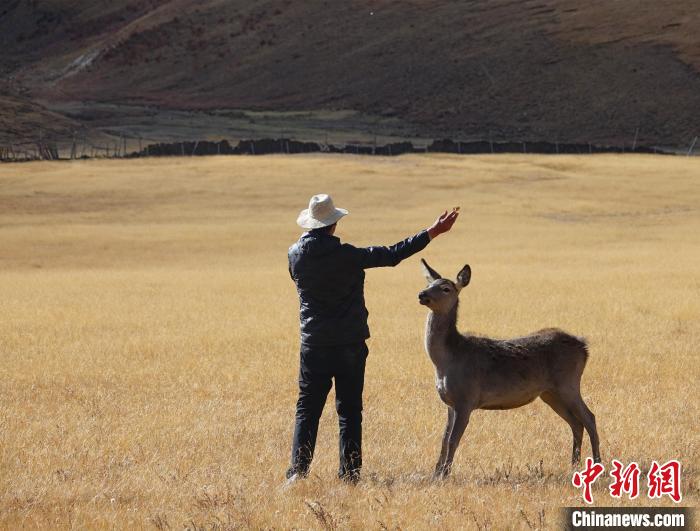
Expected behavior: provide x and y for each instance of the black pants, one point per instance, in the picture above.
(318, 366)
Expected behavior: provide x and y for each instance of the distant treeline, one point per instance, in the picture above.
(266, 146)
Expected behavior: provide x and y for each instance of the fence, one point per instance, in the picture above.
(119, 148)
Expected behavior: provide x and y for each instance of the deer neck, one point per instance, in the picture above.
(440, 334)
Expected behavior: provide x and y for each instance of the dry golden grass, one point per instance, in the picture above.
(148, 336)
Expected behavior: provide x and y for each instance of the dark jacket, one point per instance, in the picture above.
(330, 281)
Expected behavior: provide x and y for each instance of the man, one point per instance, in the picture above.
(329, 277)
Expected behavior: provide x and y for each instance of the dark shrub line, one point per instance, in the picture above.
(267, 146)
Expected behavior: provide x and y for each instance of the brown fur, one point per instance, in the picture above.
(482, 373)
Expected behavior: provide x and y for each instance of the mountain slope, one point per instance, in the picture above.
(542, 69)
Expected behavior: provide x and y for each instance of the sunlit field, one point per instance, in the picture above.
(149, 337)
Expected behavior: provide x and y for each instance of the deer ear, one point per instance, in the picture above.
(430, 274)
(464, 276)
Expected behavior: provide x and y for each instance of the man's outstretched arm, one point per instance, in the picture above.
(381, 256)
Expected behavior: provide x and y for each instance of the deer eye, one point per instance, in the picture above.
(446, 289)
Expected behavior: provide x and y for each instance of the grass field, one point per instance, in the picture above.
(149, 336)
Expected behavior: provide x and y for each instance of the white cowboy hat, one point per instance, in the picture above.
(321, 213)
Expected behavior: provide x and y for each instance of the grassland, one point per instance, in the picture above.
(149, 336)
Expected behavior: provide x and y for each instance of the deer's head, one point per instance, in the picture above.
(441, 294)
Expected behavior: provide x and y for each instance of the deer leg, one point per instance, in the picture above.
(459, 425)
(578, 407)
(553, 401)
(588, 419)
(445, 439)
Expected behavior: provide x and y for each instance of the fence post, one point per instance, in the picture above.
(634, 142)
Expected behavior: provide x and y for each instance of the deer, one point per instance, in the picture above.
(474, 372)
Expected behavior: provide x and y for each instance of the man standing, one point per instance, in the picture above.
(329, 277)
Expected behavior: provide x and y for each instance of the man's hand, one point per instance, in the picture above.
(443, 223)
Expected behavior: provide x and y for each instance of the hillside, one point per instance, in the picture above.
(526, 70)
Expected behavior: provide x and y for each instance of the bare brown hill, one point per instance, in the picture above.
(20, 118)
(511, 69)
